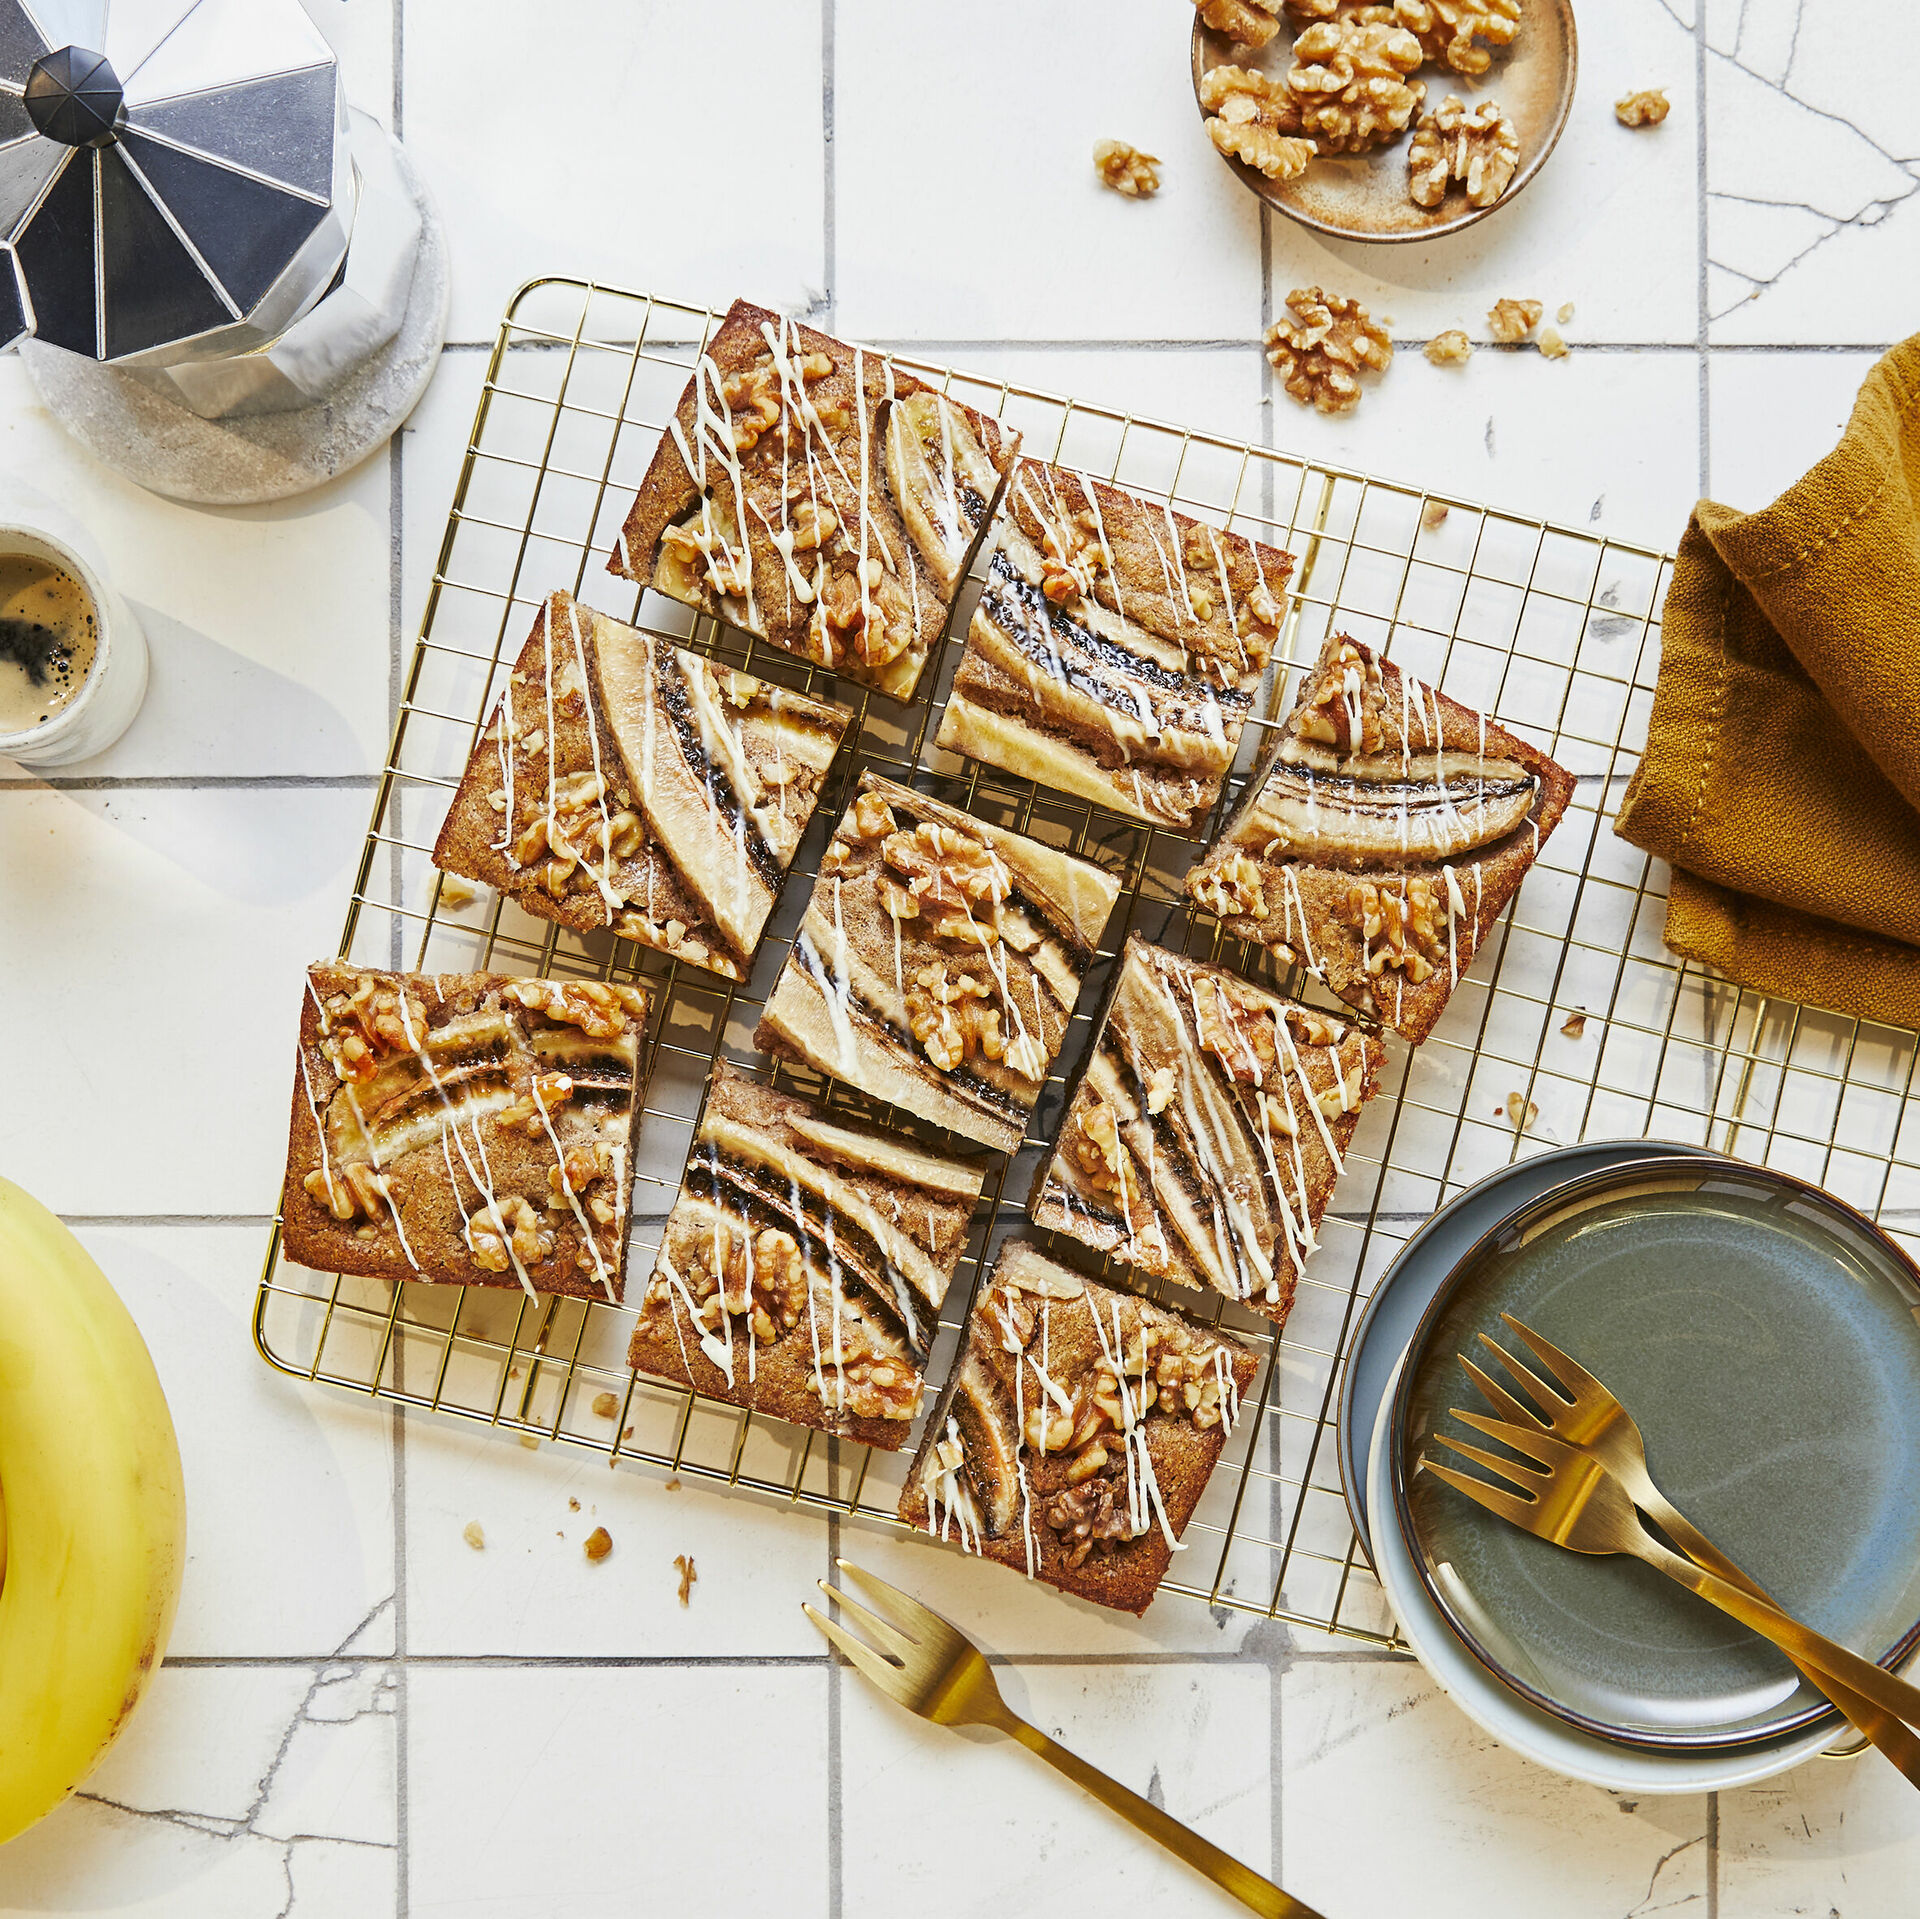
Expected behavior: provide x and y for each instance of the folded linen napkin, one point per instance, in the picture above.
(1781, 775)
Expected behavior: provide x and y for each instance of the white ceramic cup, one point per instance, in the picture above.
(110, 696)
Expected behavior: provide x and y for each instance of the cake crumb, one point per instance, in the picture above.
(1521, 1112)
(1575, 1025)
(475, 1535)
(683, 1563)
(573, 1505)
(599, 1543)
(455, 891)
(1551, 346)
(605, 1405)
(673, 1484)
(1433, 514)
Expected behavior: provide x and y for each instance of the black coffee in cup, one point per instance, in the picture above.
(48, 636)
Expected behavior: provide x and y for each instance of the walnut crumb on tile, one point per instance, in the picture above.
(1647, 108)
(454, 891)
(1521, 1112)
(1575, 1025)
(1451, 348)
(1433, 514)
(475, 1535)
(1126, 169)
(1551, 345)
(1510, 321)
(1566, 312)
(599, 1543)
(683, 1565)
(605, 1405)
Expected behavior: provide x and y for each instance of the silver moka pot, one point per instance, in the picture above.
(225, 281)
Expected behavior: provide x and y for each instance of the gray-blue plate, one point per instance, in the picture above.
(1767, 1339)
(1419, 1270)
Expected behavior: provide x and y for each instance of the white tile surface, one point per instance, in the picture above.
(515, 1731)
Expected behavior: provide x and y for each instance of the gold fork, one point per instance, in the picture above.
(1560, 1493)
(1585, 1414)
(931, 1667)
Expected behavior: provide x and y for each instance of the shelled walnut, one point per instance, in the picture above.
(599, 1009)
(499, 1234)
(1253, 117)
(1451, 348)
(864, 1381)
(1126, 169)
(1349, 80)
(1480, 149)
(1510, 321)
(1248, 23)
(759, 1279)
(349, 1191)
(1322, 345)
(1647, 108)
(1236, 1029)
(1098, 1151)
(369, 1019)
(1343, 706)
(1233, 890)
(1403, 927)
(947, 1015)
(1452, 30)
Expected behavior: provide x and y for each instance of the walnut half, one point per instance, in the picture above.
(1480, 149)
(1253, 117)
(1350, 80)
(1510, 321)
(1248, 23)
(1321, 346)
(1452, 30)
(1126, 169)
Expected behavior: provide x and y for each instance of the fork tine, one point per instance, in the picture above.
(1497, 1395)
(1538, 1387)
(883, 1672)
(893, 1643)
(1506, 1469)
(1568, 1371)
(905, 1611)
(1520, 1512)
(1537, 1445)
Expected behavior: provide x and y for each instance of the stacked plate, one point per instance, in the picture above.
(1767, 1339)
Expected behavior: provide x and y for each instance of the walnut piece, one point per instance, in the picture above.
(1126, 169)
(1248, 23)
(1510, 321)
(545, 1096)
(475, 1535)
(1521, 1112)
(683, 1565)
(369, 1019)
(946, 1015)
(1452, 30)
(752, 396)
(1096, 1148)
(1404, 927)
(500, 1233)
(1233, 890)
(1647, 108)
(1434, 513)
(599, 1010)
(349, 1191)
(1480, 149)
(733, 1276)
(1253, 117)
(1349, 82)
(871, 819)
(1550, 343)
(1322, 345)
(1236, 1029)
(1089, 1515)
(1343, 706)
(1451, 348)
(862, 611)
(865, 1382)
(947, 869)
(598, 1544)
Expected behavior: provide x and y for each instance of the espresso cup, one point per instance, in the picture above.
(80, 720)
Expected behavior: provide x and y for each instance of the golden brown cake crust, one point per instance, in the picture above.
(1386, 901)
(793, 1224)
(682, 788)
(1209, 1125)
(1116, 647)
(939, 962)
(1080, 1428)
(839, 462)
(464, 1127)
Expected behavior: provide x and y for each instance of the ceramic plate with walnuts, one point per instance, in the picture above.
(1401, 121)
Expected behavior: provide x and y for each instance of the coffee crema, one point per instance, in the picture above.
(48, 637)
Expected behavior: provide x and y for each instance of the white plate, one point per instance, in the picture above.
(1547, 1741)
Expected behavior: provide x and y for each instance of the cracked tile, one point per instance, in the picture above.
(1841, 1841)
(570, 1794)
(1191, 1738)
(235, 1794)
(289, 1491)
(1387, 1784)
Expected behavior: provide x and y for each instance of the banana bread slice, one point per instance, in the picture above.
(1382, 838)
(939, 962)
(1078, 1432)
(804, 1264)
(464, 1127)
(622, 783)
(818, 496)
(1208, 1128)
(1116, 648)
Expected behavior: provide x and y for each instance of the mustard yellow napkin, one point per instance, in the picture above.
(1782, 770)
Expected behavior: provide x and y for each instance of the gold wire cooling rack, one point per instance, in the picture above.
(1573, 1004)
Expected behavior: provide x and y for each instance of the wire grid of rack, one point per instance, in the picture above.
(1573, 1022)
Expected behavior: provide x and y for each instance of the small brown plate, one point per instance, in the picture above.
(1363, 196)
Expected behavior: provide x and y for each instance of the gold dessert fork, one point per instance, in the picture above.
(1560, 1493)
(1585, 1414)
(931, 1667)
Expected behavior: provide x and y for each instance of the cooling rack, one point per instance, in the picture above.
(1573, 1022)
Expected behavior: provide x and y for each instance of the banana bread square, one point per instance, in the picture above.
(464, 1127)
(1078, 1432)
(623, 784)
(818, 496)
(939, 962)
(1383, 837)
(1116, 648)
(804, 1264)
(1208, 1128)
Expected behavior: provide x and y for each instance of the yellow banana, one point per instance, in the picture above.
(95, 1513)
